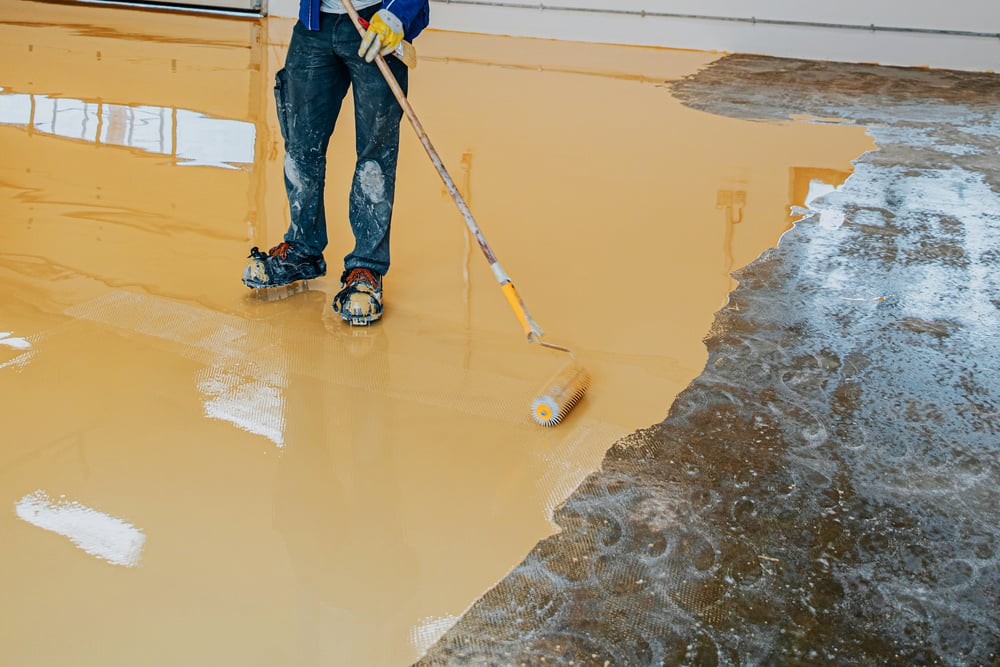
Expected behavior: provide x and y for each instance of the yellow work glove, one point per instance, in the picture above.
(385, 32)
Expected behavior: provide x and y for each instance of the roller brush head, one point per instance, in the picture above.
(560, 394)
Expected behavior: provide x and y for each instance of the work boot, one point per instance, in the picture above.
(281, 265)
(359, 301)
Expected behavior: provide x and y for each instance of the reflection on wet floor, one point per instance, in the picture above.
(192, 470)
(190, 137)
(94, 532)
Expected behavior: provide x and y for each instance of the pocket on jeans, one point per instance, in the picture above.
(280, 99)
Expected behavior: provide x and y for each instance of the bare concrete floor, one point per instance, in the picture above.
(826, 491)
(195, 476)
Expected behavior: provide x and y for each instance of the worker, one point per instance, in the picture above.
(326, 56)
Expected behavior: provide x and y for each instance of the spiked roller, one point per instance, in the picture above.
(560, 394)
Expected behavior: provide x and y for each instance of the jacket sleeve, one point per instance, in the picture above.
(414, 15)
(309, 13)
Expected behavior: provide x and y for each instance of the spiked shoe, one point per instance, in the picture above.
(281, 265)
(359, 301)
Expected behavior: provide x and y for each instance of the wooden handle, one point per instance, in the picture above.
(532, 329)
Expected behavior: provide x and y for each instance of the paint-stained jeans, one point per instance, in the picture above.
(320, 67)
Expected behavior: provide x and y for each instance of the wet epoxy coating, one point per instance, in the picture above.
(195, 475)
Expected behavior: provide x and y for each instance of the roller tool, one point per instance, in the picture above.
(565, 389)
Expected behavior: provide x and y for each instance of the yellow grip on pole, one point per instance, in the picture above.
(517, 305)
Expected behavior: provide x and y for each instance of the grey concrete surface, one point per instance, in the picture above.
(826, 492)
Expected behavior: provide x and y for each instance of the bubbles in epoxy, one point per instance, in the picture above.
(656, 547)
(696, 551)
(701, 498)
(825, 593)
(609, 532)
(527, 591)
(702, 651)
(743, 509)
(745, 569)
(619, 574)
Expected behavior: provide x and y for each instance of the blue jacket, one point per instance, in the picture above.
(414, 14)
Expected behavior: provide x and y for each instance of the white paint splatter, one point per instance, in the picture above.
(292, 172)
(96, 533)
(372, 181)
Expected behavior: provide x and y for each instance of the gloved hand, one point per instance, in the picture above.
(385, 32)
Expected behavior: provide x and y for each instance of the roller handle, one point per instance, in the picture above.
(531, 328)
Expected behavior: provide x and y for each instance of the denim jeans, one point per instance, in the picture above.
(321, 65)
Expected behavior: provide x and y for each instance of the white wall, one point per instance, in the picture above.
(892, 44)
(969, 15)
(289, 8)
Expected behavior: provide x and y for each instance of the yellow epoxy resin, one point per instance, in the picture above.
(196, 476)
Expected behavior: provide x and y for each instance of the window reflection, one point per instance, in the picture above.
(190, 137)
